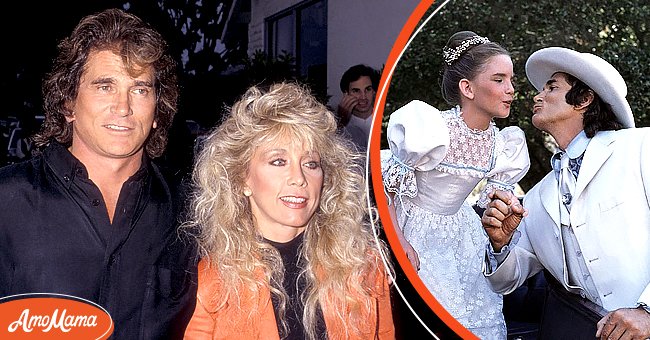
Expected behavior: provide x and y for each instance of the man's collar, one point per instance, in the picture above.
(578, 145)
(66, 165)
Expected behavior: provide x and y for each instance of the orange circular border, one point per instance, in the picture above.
(375, 167)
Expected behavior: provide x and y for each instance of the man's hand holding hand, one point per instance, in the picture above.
(501, 218)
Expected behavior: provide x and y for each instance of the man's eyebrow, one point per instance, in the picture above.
(143, 83)
(551, 81)
(110, 80)
(103, 80)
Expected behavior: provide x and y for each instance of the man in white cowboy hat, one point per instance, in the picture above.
(587, 222)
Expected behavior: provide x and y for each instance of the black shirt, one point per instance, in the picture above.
(57, 238)
(294, 285)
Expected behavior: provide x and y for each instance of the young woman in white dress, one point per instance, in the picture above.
(435, 160)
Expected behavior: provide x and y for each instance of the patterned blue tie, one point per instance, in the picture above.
(574, 165)
(565, 177)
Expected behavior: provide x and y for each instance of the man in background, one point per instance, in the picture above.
(359, 86)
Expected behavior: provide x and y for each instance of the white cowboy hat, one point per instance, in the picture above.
(592, 70)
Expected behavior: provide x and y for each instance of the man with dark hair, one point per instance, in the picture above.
(359, 86)
(588, 221)
(91, 216)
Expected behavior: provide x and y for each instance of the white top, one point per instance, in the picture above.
(358, 130)
(439, 152)
(433, 164)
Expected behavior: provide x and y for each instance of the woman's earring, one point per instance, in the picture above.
(248, 192)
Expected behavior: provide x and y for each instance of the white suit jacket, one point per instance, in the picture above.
(610, 216)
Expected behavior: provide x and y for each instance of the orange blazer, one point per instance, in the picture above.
(230, 322)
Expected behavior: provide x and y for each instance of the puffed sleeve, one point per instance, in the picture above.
(418, 139)
(511, 164)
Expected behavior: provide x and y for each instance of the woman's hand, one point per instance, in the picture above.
(502, 217)
(411, 254)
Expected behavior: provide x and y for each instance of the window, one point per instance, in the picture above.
(301, 31)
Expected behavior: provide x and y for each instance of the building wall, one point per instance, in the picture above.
(260, 10)
(359, 31)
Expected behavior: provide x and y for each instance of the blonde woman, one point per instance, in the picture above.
(279, 212)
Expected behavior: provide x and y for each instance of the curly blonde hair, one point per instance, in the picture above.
(340, 251)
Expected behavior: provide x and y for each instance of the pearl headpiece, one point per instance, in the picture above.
(451, 54)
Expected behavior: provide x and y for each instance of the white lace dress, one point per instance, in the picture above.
(433, 164)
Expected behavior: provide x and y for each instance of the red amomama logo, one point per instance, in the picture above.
(52, 316)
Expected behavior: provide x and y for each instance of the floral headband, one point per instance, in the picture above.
(451, 54)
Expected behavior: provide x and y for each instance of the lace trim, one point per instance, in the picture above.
(491, 185)
(471, 152)
(451, 250)
(461, 170)
(399, 178)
